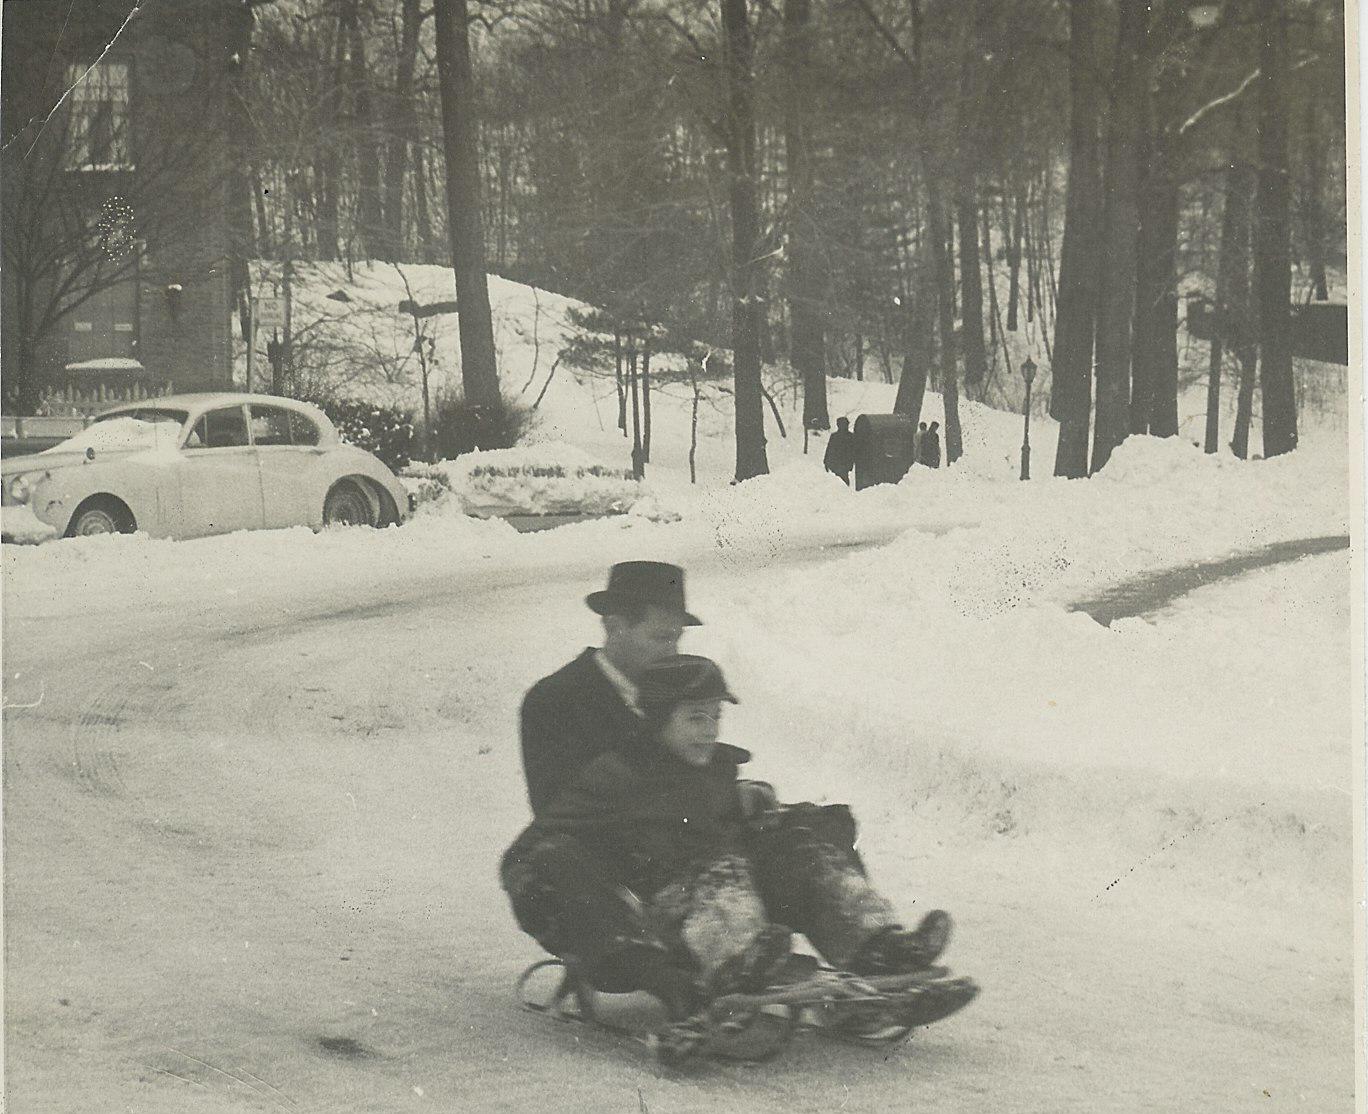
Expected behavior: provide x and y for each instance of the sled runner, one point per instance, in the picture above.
(876, 1011)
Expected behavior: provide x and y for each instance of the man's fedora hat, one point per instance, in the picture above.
(638, 583)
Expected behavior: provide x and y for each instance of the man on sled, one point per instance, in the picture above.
(651, 865)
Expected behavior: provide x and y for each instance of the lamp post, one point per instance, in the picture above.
(1028, 370)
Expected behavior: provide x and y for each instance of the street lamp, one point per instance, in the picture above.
(1028, 370)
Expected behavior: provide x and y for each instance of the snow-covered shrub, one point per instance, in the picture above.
(386, 431)
(541, 479)
(460, 428)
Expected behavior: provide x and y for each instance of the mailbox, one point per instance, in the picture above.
(885, 448)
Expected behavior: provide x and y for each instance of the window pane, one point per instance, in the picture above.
(98, 107)
(303, 431)
(270, 426)
(226, 428)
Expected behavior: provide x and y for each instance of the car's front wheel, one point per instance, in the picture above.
(347, 505)
(101, 515)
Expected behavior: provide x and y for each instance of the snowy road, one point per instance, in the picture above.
(250, 855)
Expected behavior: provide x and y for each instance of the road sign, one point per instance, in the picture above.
(270, 313)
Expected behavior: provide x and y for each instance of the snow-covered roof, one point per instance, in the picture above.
(106, 363)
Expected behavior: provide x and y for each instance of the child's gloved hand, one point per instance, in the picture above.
(757, 798)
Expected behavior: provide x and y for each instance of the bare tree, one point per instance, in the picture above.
(1120, 220)
(479, 369)
(1272, 237)
(807, 335)
(747, 307)
(1071, 373)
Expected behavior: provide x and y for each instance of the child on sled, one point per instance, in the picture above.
(682, 839)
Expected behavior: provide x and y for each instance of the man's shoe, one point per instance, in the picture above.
(675, 989)
(896, 950)
(755, 968)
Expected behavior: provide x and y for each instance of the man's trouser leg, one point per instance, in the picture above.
(713, 912)
(572, 907)
(812, 879)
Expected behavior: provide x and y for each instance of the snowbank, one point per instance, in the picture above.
(547, 478)
(20, 524)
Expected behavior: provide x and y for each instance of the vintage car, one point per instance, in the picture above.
(183, 466)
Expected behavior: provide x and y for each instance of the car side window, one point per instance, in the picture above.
(270, 425)
(223, 429)
(303, 430)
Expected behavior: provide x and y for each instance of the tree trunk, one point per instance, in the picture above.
(620, 380)
(945, 284)
(264, 240)
(1120, 218)
(1079, 265)
(919, 346)
(421, 220)
(1212, 439)
(1314, 200)
(646, 402)
(1154, 388)
(479, 369)
(807, 334)
(638, 457)
(1272, 248)
(968, 127)
(1234, 233)
(365, 137)
(1012, 221)
(693, 427)
(971, 287)
(1234, 320)
(746, 308)
(990, 271)
(241, 241)
(404, 130)
(327, 172)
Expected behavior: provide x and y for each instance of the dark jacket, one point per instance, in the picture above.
(646, 816)
(840, 453)
(568, 720)
(929, 452)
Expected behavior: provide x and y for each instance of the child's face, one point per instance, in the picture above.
(690, 734)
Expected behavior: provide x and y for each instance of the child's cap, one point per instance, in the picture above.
(680, 677)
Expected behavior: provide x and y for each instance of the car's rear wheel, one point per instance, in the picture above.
(102, 514)
(347, 505)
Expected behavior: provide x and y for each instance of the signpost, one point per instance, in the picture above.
(269, 312)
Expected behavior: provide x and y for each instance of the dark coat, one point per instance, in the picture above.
(568, 720)
(840, 452)
(645, 816)
(929, 452)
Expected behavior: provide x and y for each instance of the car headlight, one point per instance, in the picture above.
(19, 489)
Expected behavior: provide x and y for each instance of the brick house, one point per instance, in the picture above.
(116, 280)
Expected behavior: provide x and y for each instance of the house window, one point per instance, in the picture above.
(99, 137)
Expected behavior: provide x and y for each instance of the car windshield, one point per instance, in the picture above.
(128, 431)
